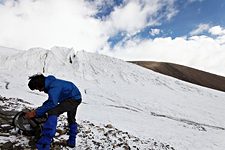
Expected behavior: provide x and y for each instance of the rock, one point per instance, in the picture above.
(61, 132)
(109, 126)
(7, 146)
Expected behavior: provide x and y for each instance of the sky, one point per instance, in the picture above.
(187, 32)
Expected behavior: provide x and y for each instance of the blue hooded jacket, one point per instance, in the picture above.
(58, 91)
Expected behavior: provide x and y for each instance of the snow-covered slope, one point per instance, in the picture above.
(132, 99)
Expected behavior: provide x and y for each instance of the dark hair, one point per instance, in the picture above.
(37, 81)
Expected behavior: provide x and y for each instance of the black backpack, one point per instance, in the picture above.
(29, 127)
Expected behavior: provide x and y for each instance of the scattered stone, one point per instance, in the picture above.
(109, 126)
(90, 136)
(7, 146)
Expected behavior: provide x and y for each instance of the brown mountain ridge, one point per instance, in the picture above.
(185, 73)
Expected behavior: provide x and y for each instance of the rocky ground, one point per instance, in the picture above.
(90, 136)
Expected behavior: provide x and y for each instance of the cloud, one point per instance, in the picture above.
(200, 29)
(135, 15)
(154, 32)
(71, 23)
(201, 52)
(217, 30)
(27, 23)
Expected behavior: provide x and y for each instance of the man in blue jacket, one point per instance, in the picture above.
(63, 96)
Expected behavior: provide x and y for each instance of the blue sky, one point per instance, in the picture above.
(192, 14)
(187, 32)
(189, 16)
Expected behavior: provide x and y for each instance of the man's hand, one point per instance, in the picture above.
(30, 114)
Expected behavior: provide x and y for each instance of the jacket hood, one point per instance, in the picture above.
(48, 81)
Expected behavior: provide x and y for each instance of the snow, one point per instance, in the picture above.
(4, 51)
(133, 99)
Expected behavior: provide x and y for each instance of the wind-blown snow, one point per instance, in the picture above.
(136, 100)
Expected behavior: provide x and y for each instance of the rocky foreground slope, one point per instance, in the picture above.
(90, 136)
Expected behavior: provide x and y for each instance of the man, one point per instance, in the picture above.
(63, 96)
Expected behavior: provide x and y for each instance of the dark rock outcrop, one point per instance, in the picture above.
(185, 73)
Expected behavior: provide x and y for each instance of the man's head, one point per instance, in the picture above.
(37, 82)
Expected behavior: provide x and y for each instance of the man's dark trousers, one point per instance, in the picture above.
(69, 106)
(49, 128)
